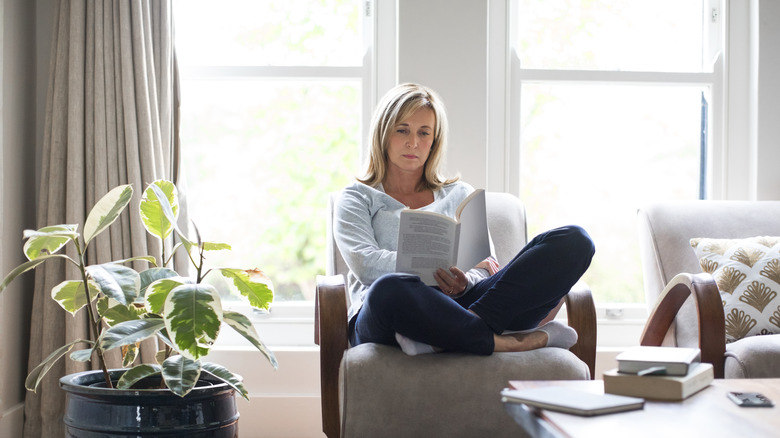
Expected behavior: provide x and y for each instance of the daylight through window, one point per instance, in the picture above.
(613, 99)
(270, 124)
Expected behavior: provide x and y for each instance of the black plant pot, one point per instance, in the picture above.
(92, 410)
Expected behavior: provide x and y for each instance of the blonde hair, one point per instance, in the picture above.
(396, 106)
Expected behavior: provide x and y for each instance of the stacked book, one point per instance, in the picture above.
(659, 373)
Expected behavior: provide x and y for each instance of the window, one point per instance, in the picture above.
(271, 122)
(615, 99)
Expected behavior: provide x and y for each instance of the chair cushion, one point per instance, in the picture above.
(748, 275)
(383, 391)
(753, 358)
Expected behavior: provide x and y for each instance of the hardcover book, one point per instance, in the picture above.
(670, 361)
(572, 401)
(655, 387)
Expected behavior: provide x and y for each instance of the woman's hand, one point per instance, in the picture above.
(489, 264)
(452, 283)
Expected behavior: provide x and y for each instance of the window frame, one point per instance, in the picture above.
(517, 76)
(619, 324)
(713, 77)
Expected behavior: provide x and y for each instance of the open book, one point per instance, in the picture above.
(428, 241)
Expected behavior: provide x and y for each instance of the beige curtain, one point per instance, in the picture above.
(111, 119)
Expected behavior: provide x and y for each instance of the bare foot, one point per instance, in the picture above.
(520, 341)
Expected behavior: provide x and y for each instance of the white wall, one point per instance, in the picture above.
(442, 44)
(752, 134)
(765, 18)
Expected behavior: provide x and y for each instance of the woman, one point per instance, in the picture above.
(468, 311)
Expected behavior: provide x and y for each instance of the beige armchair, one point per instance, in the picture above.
(688, 311)
(376, 391)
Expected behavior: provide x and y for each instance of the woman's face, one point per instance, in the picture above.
(410, 142)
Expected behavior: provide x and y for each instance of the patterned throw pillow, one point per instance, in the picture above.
(748, 275)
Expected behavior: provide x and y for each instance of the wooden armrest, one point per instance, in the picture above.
(581, 314)
(709, 312)
(330, 332)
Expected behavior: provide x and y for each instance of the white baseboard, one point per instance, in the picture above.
(12, 421)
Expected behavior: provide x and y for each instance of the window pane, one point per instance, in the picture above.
(260, 160)
(269, 32)
(592, 154)
(629, 35)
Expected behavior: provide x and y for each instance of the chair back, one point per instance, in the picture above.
(506, 222)
(665, 230)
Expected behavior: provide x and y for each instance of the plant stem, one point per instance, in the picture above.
(201, 250)
(94, 322)
(162, 255)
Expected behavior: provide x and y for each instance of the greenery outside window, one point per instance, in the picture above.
(614, 110)
(272, 110)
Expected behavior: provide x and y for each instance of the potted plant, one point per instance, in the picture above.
(125, 306)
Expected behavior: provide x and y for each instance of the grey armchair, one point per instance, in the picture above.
(377, 391)
(687, 309)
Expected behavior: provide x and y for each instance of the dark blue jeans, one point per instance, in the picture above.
(517, 297)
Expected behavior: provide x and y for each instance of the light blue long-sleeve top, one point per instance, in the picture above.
(365, 226)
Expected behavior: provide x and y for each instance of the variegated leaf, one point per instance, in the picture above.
(180, 374)
(151, 275)
(234, 380)
(116, 281)
(215, 246)
(253, 284)
(154, 219)
(129, 353)
(24, 267)
(48, 240)
(158, 291)
(167, 210)
(137, 373)
(82, 355)
(106, 211)
(245, 328)
(118, 313)
(193, 316)
(70, 294)
(130, 332)
(37, 374)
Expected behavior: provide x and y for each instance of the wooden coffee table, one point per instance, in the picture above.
(707, 413)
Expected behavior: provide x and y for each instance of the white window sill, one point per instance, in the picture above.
(288, 324)
(620, 325)
(291, 324)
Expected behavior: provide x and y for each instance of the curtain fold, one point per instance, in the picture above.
(111, 118)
